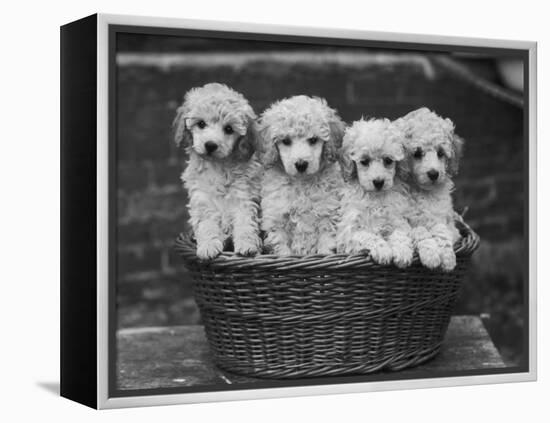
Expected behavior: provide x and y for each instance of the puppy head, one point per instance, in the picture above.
(432, 148)
(371, 152)
(216, 122)
(301, 134)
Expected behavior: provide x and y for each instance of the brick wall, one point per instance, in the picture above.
(153, 287)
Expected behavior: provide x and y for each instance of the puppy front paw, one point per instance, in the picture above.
(326, 251)
(402, 255)
(382, 253)
(248, 247)
(429, 254)
(281, 250)
(209, 250)
(326, 248)
(448, 259)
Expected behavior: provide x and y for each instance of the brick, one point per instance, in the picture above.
(138, 260)
(144, 132)
(510, 185)
(121, 205)
(401, 84)
(480, 165)
(170, 205)
(493, 227)
(489, 145)
(516, 225)
(157, 300)
(167, 173)
(131, 233)
(145, 115)
(148, 289)
(327, 83)
(132, 176)
(175, 261)
(166, 231)
(174, 311)
(158, 232)
(476, 193)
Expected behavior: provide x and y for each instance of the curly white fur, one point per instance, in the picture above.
(433, 151)
(302, 182)
(217, 126)
(375, 203)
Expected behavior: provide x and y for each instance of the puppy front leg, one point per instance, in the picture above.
(246, 232)
(274, 217)
(326, 244)
(444, 239)
(402, 246)
(379, 249)
(326, 241)
(209, 239)
(427, 247)
(277, 241)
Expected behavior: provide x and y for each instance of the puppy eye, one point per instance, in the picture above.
(418, 153)
(201, 124)
(365, 161)
(440, 153)
(313, 140)
(286, 141)
(228, 129)
(388, 161)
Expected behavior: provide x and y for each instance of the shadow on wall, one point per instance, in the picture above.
(153, 288)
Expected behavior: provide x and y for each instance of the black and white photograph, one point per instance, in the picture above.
(253, 211)
(244, 212)
(296, 211)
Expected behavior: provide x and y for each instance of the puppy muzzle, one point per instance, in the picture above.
(301, 166)
(210, 147)
(433, 175)
(378, 184)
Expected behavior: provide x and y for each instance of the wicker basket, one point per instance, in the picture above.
(288, 317)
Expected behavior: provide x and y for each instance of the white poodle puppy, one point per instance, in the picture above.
(433, 151)
(217, 126)
(375, 202)
(302, 181)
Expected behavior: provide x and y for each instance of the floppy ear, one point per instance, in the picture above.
(404, 168)
(265, 146)
(337, 128)
(457, 148)
(396, 140)
(247, 143)
(347, 165)
(402, 125)
(182, 135)
(400, 154)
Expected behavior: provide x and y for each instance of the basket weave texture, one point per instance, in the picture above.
(303, 316)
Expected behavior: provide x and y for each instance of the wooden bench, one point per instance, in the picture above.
(167, 357)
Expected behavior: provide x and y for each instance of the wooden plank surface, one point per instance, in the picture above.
(167, 357)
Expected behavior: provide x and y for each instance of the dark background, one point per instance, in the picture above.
(153, 74)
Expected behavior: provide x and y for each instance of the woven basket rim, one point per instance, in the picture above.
(186, 247)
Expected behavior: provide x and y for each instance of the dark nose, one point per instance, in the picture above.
(301, 166)
(433, 175)
(210, 146)
(378, 183)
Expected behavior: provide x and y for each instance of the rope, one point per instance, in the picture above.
(484, 85)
